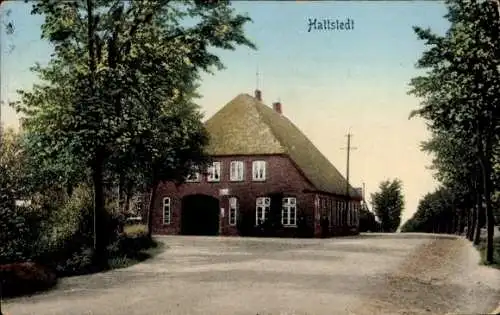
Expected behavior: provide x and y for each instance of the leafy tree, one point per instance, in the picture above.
(116, 69)
(20, 227)
(457, 168)
(460, 90)
(388, 204)
(435, 214)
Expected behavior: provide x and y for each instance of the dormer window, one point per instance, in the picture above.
(194, 177)
(259, 170)
(214, 172)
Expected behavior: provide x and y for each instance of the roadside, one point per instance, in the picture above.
(442, 276)
(383, 274)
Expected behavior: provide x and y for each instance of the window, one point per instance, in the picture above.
(335, 207)
(233, 210)
(259, 170)
(166, 210)
(349, 214)
(236, 171)
(289, 212)
(342, 213)
(194, 177)
(214, 172)
(262, 209)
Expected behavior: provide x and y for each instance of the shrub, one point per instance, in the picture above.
(20, 227)
(135, 230)
(25, 278)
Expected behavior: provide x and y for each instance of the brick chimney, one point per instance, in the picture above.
(258, 95)
(277, 107)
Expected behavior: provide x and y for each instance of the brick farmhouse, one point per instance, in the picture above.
(265, 178)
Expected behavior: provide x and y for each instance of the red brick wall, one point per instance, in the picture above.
(282, 176)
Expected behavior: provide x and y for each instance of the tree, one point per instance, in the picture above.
(116, 66)
(388, 204)
(435, 214)
(460, 90)
(457, 168)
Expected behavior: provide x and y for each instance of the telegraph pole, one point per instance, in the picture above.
(347, 193)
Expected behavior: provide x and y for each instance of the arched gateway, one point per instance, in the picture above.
(200, 215)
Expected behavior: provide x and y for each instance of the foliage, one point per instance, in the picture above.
(109, 94)
(20, 227)
(460, 94)
(367, 221)
(24, 278)
(388, 204)
(496, 253)
(434, 214)
(135, 229)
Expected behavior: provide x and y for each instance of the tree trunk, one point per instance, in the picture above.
(486, 172)
(151, 208)
(479, 219)
(100, 221)
(101, 233)
(128, 192)
(472, 221)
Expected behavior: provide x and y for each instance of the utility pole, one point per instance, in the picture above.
(347, 193)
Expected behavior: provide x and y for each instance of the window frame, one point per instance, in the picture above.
(211, 170)
(286, 207)
(236, 206)
(195, 180)
(242, 175)
(164, 205)
(266, 208)
(255, 170)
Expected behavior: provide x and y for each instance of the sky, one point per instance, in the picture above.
(330, 82)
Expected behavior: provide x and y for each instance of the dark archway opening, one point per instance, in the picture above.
(200, 215)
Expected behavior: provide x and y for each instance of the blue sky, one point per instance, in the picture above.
(328, 81)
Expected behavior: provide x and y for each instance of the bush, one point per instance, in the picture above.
(25, 278)
(496, 252)
(135, 230)
(68, 246)
(20, 227)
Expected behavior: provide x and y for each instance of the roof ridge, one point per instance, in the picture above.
(263, 107)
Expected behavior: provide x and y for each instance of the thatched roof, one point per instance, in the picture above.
(245, 126)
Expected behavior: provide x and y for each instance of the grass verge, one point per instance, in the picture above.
(133, 247)
(496, 252)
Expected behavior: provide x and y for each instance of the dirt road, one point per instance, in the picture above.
(376, 274)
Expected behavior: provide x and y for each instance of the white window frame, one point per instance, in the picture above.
(265, 204)
(194, 178)
(167, 204)
(259, 170)
(233, 211)
(237, 171)
(289, 203)
(214, 168)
